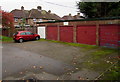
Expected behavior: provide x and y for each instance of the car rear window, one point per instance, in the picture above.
(15, 33)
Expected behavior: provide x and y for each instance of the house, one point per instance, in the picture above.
(70, 17)
(78, 16)
(30, 17)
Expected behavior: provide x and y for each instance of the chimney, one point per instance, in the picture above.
(78, 14)
(49, 11)
(69, 14)
(22, 8)
(39, 8)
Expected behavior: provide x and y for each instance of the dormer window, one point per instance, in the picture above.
(16, 19)
(34, 20)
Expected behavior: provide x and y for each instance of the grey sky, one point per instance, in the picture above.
(60, 7)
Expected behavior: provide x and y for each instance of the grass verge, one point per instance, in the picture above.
(6, 39)
(112, 74)
(87, 47)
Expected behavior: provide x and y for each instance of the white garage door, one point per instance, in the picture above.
(41, 32)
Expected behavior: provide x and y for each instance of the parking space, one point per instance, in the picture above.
(48, 60)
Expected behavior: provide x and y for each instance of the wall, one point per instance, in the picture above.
(8, 32)
(85, 32)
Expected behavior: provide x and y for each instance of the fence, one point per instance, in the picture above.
(7, 32)
(91, 32)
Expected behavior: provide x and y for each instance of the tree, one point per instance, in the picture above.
(99, 9)
(8, 22)
(22, 24)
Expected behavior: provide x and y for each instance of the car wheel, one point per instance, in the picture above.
(37, 38)
(21, 40)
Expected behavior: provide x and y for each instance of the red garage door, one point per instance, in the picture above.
(66, 33)
(109, 35)
(86, 34)
(52, 32)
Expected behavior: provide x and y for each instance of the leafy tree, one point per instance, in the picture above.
(23, 22)
(7, 20)
(99, 9)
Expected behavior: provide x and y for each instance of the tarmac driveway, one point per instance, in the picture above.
(64, 53)
(45, 60)
(17, 63)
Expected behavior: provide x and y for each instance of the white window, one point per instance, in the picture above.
(16, 20)
(40, 20)
(21, 19)
(34, 20)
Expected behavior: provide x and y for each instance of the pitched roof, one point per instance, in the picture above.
(67, 17)
(70, 17)
(35, 13)
(20, 13)
(53, 16)
(78, 17)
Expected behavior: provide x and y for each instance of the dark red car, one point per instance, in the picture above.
(21, 36)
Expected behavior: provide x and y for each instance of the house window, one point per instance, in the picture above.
(34, 20)
(40, 20)
(21, 19)
(16, 20)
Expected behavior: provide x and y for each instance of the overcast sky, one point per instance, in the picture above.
(60, 7)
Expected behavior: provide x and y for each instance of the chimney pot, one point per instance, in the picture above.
(78, 14)
(22, 8)
(49, 11)
(69, 14)
(39, 7)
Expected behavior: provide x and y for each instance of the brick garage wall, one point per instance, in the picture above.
(99, 32)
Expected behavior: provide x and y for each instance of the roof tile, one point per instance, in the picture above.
(35, 13)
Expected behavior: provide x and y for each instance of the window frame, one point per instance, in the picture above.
(29, 32)
(23, 34)
(16, 20)
(34, 20)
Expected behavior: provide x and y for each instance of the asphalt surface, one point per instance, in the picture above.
(15, 61)
(45, 60)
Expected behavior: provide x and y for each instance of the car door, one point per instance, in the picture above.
(29, 35)
(23, 35)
